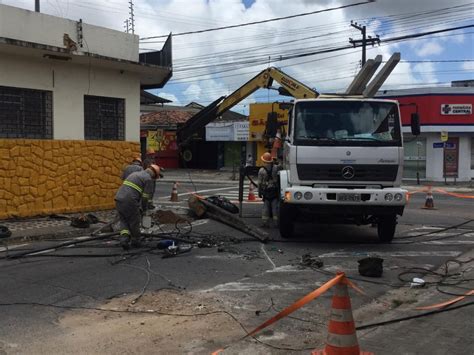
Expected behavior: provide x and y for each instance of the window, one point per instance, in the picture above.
(104, 118)
(355, 123)
(415, 157)
(26, 113)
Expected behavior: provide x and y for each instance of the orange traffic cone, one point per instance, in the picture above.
(251, 195)
(429, 202)
(174, 193)
(342, 337)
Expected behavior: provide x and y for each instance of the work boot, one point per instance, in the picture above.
(125, 242)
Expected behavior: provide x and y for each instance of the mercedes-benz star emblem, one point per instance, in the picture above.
(348, 172)
(348, 153)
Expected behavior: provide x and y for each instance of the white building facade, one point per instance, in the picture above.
(445, 149)
(83, 78)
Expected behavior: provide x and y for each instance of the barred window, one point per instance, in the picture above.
(26, 113)
(104, 118)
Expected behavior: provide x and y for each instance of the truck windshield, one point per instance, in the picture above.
(347, 122)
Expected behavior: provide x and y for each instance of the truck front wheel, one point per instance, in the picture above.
(287, 220)
(386, 228)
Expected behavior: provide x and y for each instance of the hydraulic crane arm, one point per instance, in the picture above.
(265, 80)
(289, 87)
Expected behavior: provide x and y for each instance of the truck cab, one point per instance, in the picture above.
(343, 163)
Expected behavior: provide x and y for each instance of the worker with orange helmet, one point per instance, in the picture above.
(268, 189)
(131, 200)
(135, 165)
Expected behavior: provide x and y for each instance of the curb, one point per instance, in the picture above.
(51, 235)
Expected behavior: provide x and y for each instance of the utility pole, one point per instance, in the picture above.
(132, 16)
(37, 5)
(364, 41)
(127, 29)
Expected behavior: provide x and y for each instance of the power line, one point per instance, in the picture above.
(262, 21)
(189, 79)
(393, 39)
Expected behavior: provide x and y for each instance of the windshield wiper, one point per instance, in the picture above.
(318, 138)
(321, 139)
(360, 138)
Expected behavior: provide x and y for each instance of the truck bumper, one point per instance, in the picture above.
(347, 201)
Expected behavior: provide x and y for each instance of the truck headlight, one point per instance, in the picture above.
(308, 195)
(388, 197)
(398, 197)
(298, 195)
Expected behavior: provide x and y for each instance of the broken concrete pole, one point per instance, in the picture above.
(202, 207)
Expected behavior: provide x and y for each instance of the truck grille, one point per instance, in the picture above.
(334, 172)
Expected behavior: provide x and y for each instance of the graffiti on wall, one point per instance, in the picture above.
(161, 140)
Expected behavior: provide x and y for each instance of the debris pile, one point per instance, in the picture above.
(311, 261)
(168, 217)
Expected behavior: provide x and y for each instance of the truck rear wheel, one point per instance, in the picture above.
(386, 228)
(287, 220)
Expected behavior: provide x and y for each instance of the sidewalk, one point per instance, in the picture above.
(39, 228)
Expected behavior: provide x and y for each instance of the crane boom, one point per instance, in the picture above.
(289, 86)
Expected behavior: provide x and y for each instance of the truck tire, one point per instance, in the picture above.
(386, 228)
(287, 220)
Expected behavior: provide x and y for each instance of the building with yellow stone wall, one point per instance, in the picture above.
(69, 111)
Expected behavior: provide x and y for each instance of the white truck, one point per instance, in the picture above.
(343, 162)
(342, 155)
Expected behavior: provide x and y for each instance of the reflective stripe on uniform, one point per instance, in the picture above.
(146, 195)
(133, 186)
(124, 231)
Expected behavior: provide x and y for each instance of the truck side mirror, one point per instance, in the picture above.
(415, 124)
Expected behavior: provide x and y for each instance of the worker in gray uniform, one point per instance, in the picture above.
(146, 163)
(268, 189)
(135, 165)
(131, 200)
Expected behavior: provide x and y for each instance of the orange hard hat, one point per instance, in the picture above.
(156, 169)
(266, 157)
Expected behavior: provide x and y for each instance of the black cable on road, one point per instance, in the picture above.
(421, 315)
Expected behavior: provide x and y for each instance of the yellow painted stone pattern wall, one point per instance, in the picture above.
(40, 177)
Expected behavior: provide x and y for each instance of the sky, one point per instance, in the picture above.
(211, 64)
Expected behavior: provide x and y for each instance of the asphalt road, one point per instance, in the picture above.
(251, 274)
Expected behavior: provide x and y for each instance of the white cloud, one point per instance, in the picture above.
(468, 66)
(430, 48)
(172, 97)
(206, 66)
(193, 92)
